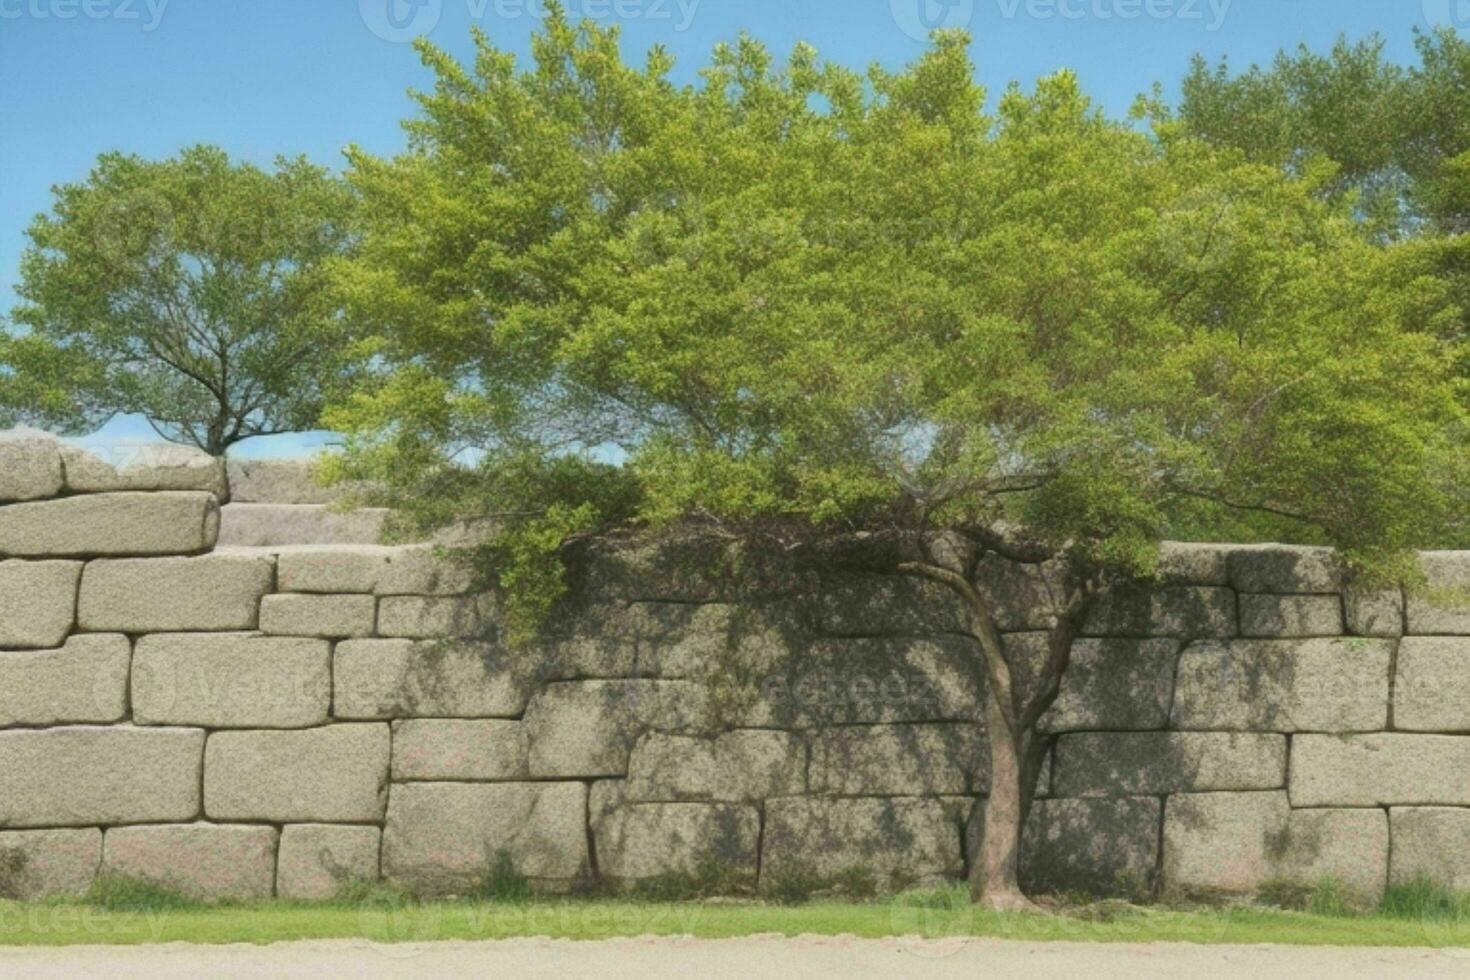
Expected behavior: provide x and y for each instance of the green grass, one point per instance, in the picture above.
(120, 912)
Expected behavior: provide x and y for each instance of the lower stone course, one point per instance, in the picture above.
(337, 774)
(449, 838)
(1433, 843)
(1234, 843)
(1154, 763)
(204, 861)
(36, 864)
(1380, 770)
(900, 841)
(900, 760)
(1095, 846)
(80, 776)
(647, 840)
(317, 861)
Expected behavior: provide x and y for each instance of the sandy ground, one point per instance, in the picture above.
(738, 958)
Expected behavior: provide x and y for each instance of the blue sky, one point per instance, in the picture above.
(264, 77)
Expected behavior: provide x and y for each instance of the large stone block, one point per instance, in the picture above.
(1021, 597)
(152, 467)
(1101, 847)
(446, 749)
(337, 617)
(1155, 763)
(331, 569)
(1380, 770)
(1431, 843)
(424, 570)
(1290, 615)
(1321, 685)
(84, 682)
(1441, 605)
(337, 774)
(735, 766)
(30, 465)
(277, 481)
(587, 729)
(706, 641)
(231, 680)
(382, 679)
(37, 864)
(1187, 563)
(1115, 685)
(900, 760)
(1375, 612)
(1185, 611)
(317, 861)
(204, 861)
(172, 595)
(876, 605)
(1285, 569)
(1432, 690)
(110, 524)
(900, 841)
(432, 617)
(80, 777)
(1234, 843)
(269, 525)
(649, 840)
(38, 603)
(448, 838)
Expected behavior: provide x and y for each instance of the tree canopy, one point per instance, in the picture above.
(191, 291)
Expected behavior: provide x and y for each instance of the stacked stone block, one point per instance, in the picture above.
(289, 718)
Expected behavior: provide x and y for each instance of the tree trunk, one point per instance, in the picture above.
(994, 872)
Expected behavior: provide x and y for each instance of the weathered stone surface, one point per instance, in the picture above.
(586, 729)
(1285, 569)
(459, 750)
(650, 840)
(38, 602)
(423, 570)
(204, 861)
(900, 760)
(167, 595)
(1115, 685)
(1380, 770)
(706, 641)
(1290, 615)
(900, 841)
(732, 767)
(1022, 597)
(1321, 685)
(337, 774)
(231, 680)
(30, 465)
(877, 605)
(36, 864)
(79, 777)
(110, 524)
(1185, 563)
(1430, 843)
(432, 617)
(1187, 611)
(151, 467)
(331, 569)
(277, 481)
(1374, 613)
(686, 568)
(1442, 603)
(1432, 690)
(318, 860)
(1154, 763)
(445, 838)
(267, 525)
(382, 679)
(1224, 843)
(328, 616)
(1101, 847)
(86, 681)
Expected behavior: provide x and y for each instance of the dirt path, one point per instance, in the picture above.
(744, 959)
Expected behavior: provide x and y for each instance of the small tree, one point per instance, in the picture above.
(796, 302)
(190, 291)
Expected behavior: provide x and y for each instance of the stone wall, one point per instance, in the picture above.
(283, 719)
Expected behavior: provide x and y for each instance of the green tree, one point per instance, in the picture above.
(795, 302)
(191, 291)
